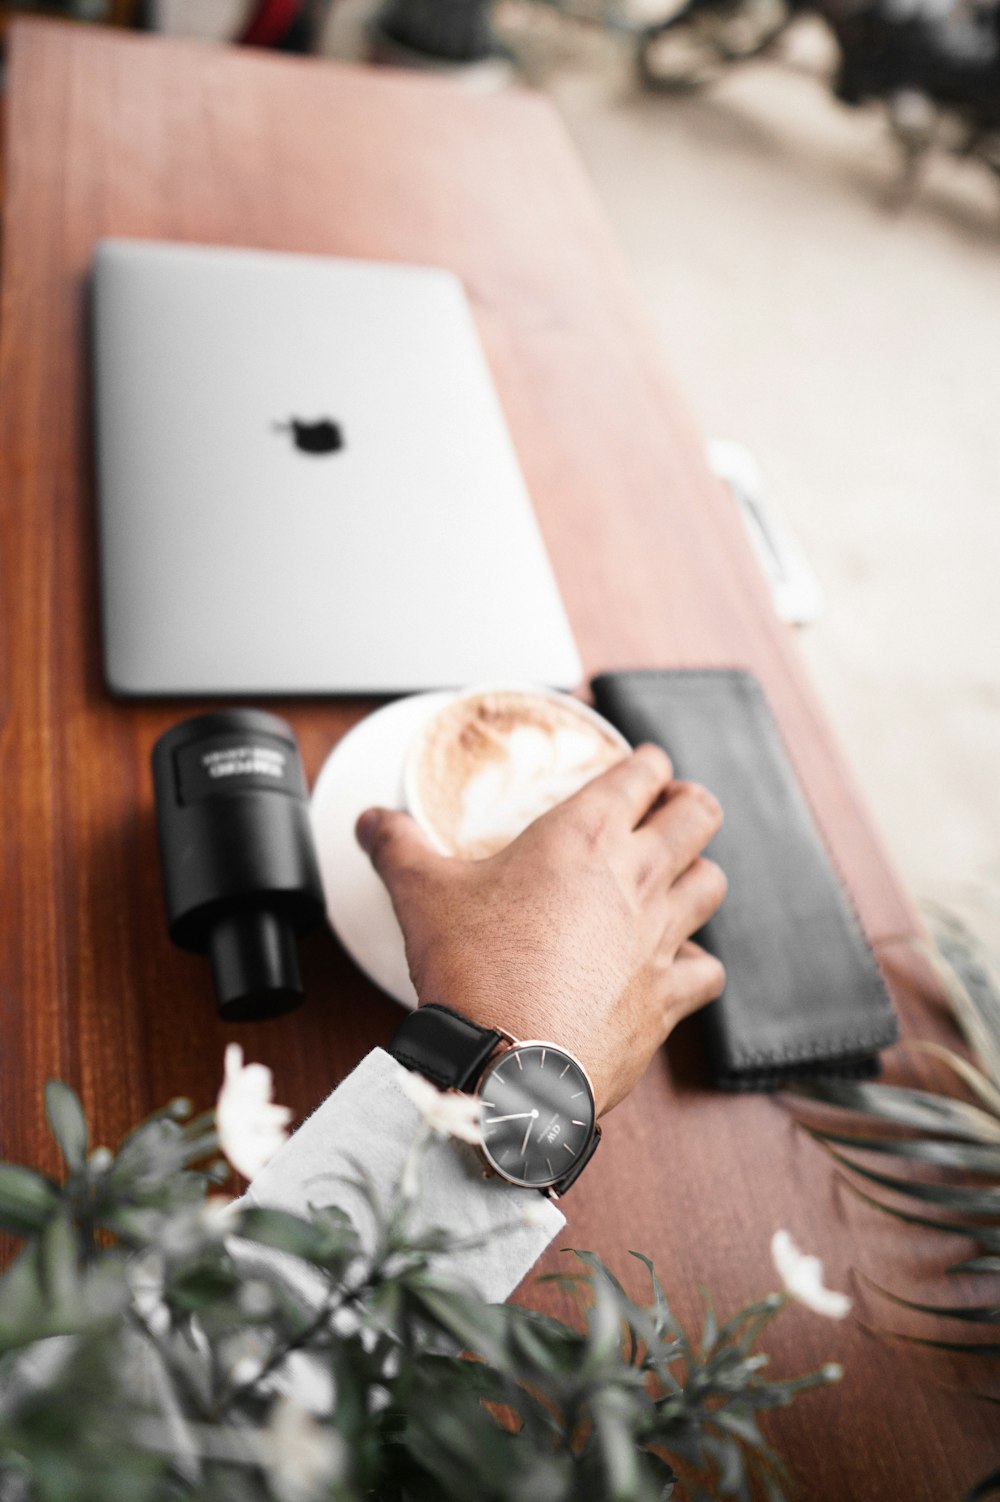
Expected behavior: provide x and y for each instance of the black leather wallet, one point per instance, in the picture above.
(803, 995)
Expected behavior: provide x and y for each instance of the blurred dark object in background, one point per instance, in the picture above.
(933, 64)
(439, 32)
(288, 25)
(113, 12)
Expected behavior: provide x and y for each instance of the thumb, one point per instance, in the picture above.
(394, 843)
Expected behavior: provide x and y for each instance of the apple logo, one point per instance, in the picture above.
(320, 437)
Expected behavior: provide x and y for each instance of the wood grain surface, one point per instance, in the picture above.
(116, 134)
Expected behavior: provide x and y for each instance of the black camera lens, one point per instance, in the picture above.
(240, 874)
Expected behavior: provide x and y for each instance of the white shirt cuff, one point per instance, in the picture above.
(368, 1122)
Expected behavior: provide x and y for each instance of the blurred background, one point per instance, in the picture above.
(808, 197)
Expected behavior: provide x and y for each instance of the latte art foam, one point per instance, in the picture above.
(490, 764)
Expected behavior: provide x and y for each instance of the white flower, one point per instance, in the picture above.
(535, 1215)
(146, 1274)
(255, 1298)
(409, 1179)
(309, 1382)
(803, 1278)
(251, 1127)
(345, 1321)
(189, 1230)
(218, 1211)
(244, 1355)
(446, 1112)
(302, 1457)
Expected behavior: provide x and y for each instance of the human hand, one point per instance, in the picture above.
(579, 931)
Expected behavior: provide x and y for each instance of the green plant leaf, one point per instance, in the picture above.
(333, 1218)
(475, 1325)
(473, 1376)
(921, 1109)
(611, 1411)
(964, 970)
(728, 1458)
(327, 1245)
(972, 1201)
(780, 1394)
(604, 1340)
(986, 1235)
(976, 1157)
(150, 1156)
(751, 1320)
(730, 1373)
(662, 1476)
(773, 1492)
(68, 1123)
(59, 1256)
(988, 1314)
(743, 1425)
(543, 1344)
(29, 1312)
(661, 1312)
(22, 1300)
(710, 1328)
(420, 1421)
(203, 1287)
(27, 1199)
(135, 1225)
(361, 1179)
(977, 1082)
(454, 1439)
(990, 1349)
(597, 1266)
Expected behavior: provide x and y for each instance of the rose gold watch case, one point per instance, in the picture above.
(493, 1170)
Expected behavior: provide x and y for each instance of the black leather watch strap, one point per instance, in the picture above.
(443, 1045)
(580, 1164)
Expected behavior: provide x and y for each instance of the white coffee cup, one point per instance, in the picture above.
(494, 759)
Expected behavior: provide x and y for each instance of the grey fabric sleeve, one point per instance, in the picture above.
(369, 1122)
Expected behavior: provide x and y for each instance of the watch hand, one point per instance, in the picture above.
(517, 1116)
(527, 1134)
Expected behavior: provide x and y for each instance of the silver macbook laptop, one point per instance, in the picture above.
(305, 482)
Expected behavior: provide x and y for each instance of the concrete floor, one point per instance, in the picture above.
(856, 350)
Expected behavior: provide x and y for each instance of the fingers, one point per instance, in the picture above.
(625, 793)
(675, 834)
(394, 843)
(692, 900)
(697, 977)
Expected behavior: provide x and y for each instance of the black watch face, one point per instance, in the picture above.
(537, 1114)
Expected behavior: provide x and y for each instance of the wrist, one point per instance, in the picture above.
(527, 1015)
(518, 1004)
(536, 1100)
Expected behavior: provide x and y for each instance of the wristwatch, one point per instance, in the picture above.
(539, 1120)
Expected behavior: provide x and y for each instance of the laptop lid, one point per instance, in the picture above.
(306, 484)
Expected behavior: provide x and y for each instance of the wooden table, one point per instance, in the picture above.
(132, 136)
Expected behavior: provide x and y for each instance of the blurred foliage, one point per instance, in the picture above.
(956, 1137)
(158, 1341)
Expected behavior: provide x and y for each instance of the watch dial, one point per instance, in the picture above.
(537, 1114)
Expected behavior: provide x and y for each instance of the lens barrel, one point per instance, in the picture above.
(240, 875)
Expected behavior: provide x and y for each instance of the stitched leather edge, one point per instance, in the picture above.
(419, 1066)
(889, 1032)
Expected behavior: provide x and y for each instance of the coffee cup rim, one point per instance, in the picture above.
(411, 799)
